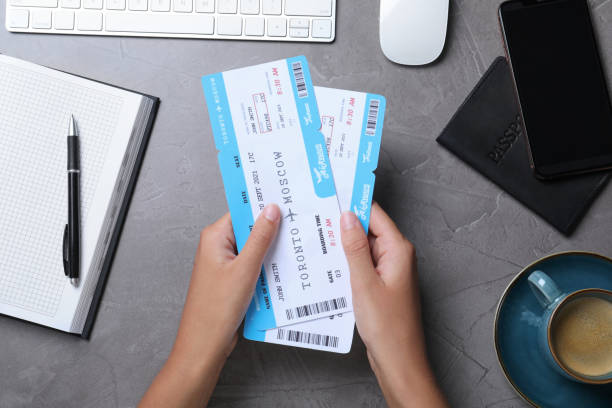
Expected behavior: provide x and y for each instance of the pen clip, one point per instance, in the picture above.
(65, 251)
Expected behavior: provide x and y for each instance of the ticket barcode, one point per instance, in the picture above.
(316, 308)
(300, 82)
(295, 336)
(372, 117)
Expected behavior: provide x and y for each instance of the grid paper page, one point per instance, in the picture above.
(33, 181)
(33, 150)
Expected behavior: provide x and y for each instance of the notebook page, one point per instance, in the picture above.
(36, 103)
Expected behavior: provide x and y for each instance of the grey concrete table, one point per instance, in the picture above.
(471, 238)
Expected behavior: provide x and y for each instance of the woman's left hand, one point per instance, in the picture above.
(221, 288)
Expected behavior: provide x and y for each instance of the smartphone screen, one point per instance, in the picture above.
(560, 83)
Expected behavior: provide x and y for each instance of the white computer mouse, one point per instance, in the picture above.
(413, 32)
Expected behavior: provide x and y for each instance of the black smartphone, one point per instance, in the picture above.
(560, 83)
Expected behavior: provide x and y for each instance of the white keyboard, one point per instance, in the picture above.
(273, 20)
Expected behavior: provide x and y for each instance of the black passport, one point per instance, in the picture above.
(487, 133)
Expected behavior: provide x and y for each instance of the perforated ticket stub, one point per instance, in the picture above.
(266, 126)
(352, 124)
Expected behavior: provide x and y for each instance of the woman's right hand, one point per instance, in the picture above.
(387, 309)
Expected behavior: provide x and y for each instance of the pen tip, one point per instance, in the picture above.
(72, 128)
(74, 282)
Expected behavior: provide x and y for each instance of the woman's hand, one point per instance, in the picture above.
(222, 285)
(385, 297)
(387, 309)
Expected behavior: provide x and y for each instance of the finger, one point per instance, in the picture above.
(398, 266)
(218, 240)
(390, 242)
(390, 249)
(357, 251)
(224, 229)
(264, 231)
(372, 242)
(377, 248)
(381, 225)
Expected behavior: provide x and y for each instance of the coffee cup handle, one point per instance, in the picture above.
(544, 288)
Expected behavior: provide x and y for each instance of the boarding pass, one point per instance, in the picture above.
(352, 124)
(266, 126)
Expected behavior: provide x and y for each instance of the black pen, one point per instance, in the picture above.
(72, 232)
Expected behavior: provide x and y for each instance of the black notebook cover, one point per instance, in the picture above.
(123, 210)
(487, 133)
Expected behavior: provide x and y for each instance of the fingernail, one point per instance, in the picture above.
(348, 221)
(271, 212)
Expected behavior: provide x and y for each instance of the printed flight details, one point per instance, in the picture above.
(352, 124)
(266, 126)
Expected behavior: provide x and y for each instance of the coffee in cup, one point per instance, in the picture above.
(575, 334)
(581, 335)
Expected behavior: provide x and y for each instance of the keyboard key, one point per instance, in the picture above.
(19, 18)
(160, 23)
(41, 19)
(321, 28)
(319, 8)
(115, 4)
(298, 32)
(228, 6)
(254, 26)
(277, 27)
(249, 6)
(138, 5)
(299, 23)
(73, 4)
(92, 4)
(89, 21)
(205, 6)
(183, 6)
(63, 20)
(34, 3)
(272, 7)
(160, 5)
(229, 25)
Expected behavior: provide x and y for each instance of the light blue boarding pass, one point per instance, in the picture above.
(352, 123)
(266, 125)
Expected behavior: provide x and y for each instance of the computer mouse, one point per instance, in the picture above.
(413, 32)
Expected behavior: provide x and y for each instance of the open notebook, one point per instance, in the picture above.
(114, 125)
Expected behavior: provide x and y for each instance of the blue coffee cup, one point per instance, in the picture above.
(575, 334)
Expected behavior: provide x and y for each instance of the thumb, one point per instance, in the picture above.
(357, 251)
(260, 239)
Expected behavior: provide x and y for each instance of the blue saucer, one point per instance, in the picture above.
(516, 321)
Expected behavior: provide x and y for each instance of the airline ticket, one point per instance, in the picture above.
(352, 123)
(266, 126)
